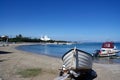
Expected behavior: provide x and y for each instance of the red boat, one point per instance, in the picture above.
(108, 49)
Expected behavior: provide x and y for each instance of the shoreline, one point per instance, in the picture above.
(37, 53)
(102, 60)
(13, 60)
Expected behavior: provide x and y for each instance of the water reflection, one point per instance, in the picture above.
(107, 60)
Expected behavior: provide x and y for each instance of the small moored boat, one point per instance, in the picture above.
(107, 49)
(77, 65)
(77, 59)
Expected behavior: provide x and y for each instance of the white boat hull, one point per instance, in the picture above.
(108, 49)
(107, 55)
(77, 59)
(108, 52)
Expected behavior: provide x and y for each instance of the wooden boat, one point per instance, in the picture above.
(77, 59)
(77, 65)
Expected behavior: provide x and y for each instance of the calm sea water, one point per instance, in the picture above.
(59, 50)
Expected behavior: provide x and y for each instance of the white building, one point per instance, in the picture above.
(45, 38)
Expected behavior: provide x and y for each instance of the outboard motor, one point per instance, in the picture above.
(96, 53)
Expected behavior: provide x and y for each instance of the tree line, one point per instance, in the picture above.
(21, 38)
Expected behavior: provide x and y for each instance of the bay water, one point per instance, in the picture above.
(58, 50)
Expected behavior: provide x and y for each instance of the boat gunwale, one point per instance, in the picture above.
(77, 50)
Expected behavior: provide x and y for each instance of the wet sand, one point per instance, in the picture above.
(12, 61)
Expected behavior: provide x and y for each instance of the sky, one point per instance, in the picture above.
(75, 20)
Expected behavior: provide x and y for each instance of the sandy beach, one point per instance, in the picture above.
(12, 61)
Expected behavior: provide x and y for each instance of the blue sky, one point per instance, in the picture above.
(77, 20)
